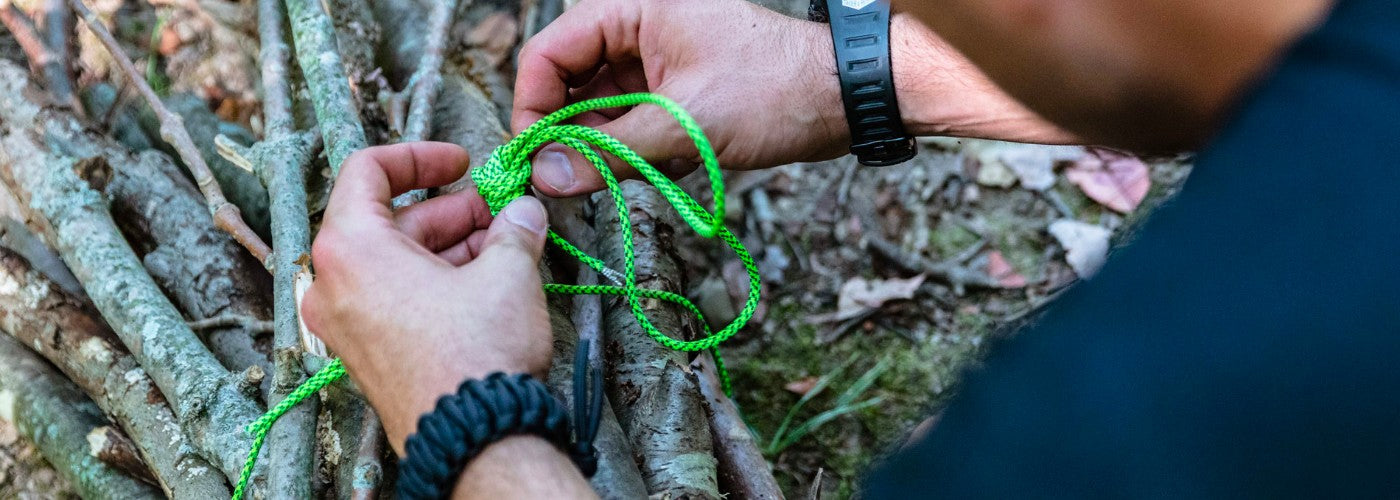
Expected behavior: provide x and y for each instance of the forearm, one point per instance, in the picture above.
(942, 93)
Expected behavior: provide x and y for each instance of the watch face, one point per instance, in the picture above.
(856, 4)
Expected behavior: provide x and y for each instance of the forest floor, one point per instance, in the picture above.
(882, 284)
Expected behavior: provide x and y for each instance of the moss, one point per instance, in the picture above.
(918, 383)
(949, 238)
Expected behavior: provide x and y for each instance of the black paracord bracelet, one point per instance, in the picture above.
(479, 413)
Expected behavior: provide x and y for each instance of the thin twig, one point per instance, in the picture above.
(425, 84)
(954, 274)
(249, 323)
(22, 28)
(172, 130)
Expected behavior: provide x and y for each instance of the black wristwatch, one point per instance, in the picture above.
(860, 34)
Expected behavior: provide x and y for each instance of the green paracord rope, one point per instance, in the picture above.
(505, 177)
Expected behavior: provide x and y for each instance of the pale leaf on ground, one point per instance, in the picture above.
(1086, 245)
(860, 295)
(1115, 180)
(1033, 165)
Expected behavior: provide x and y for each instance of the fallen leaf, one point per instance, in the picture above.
(1000, 270)
(1115, 180)
(995, 174)
(801, 387)
(860, 295)
(1033, 165)
(1086, 245)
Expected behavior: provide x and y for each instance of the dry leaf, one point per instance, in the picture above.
(1033, 165)
(860, 295)
(995, 174)
(1115, 180)
(1086, 245)
(801, 387)
(1000, 270)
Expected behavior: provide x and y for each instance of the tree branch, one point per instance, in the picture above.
(52, 413)
(281, 160)
(425, 85)
(336, 113)
(743, 472)
(60, 327)
(206, 398)
(172, 130)
(659, 405)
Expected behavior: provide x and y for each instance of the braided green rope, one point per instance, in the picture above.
(505, 177)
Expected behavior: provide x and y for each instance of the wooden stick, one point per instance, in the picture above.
(52, 413)
(61, 328)
(172, 130)
(743, 472)
(281, 161)
(205, 396)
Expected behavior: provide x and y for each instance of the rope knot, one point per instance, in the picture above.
(503, 177)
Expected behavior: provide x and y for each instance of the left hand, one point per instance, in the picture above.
(417, 300)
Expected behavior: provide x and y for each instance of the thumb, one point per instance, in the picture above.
(516, 236)
(559, 171)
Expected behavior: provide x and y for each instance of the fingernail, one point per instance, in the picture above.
(553, 169)
(527, 213)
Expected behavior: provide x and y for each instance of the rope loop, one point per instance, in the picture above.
(506, 176)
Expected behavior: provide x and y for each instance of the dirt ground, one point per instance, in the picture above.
(810, 227)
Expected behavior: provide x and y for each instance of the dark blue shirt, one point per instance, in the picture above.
(1247, 344)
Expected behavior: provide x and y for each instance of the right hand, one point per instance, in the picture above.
(760, 84)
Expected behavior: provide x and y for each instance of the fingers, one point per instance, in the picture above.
(515, 240)
(372, 176)
(576, 44)
(440, 223)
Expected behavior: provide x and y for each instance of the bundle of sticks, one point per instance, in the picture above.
(151, 262)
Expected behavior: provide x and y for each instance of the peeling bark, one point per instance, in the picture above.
(61, 329)
(659, 405)
(52, 413)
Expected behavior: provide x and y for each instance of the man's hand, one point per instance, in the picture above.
(418, 300)
(762, 85)
(759, 83)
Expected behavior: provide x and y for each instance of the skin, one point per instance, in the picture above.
(1147, 74)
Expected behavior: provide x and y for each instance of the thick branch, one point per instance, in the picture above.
(281, 161)
(172, 130)
(658, 403)
(61, 328)
(52, 413)
(206, 398)
(325, 78)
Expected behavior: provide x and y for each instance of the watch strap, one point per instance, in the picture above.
(860, 33)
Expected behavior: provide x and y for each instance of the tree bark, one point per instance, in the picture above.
(52, 413)
(336, 112)
(206, 398)
(743, 472)
(659, 405)
(62, 329)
